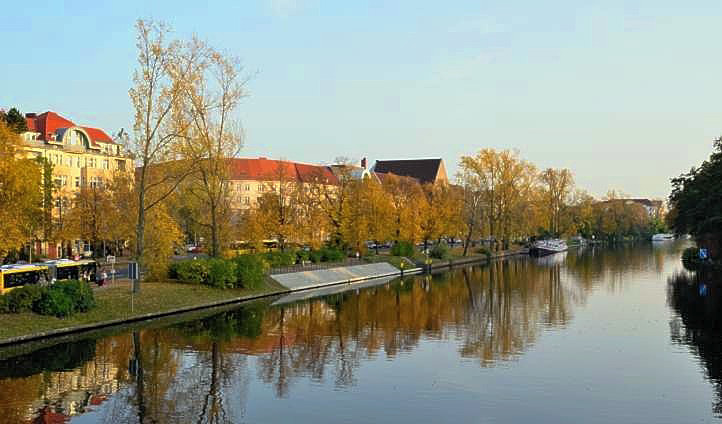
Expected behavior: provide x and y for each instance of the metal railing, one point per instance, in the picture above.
(310, 266)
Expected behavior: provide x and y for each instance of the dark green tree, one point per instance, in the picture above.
(15, 120)
(696, 201)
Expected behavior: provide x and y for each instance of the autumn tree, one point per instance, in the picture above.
(313, 226)
(20, 193)
(472, 202)
(505, 183)
(379, 210)
(406, 197)
(211, 96)
(557, 186)
(334, 199)
(159, 83)
(88, 218)
(440, 214)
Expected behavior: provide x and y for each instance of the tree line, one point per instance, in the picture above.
(186, 94)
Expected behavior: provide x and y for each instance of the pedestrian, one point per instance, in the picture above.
(103, 277)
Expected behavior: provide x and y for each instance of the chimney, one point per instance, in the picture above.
(363, 163)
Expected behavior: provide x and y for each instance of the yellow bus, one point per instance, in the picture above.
(18, 275)
(67, 269)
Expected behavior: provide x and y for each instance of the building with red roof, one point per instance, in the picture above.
(251, 178)
(81, 156)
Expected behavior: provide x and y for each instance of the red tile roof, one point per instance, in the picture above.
(49, 122)
(262, 169)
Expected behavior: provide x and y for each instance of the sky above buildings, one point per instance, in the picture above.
(625, 94)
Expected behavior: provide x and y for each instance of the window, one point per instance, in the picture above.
(63, 180)
(248, 187)
(260, 187)
(69, 161)
(120, 164)
(106, 164)
(246, 200)
(77, 182)
(96, 182)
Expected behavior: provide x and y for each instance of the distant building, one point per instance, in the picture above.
(81, 156)
(426, 171)
(251, 178)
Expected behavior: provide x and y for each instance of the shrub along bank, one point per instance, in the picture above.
(62, 299)
(245, 271)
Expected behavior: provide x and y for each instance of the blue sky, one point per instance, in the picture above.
(623, 93)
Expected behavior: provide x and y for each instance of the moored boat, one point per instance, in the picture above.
(548, 247)
(662, 237)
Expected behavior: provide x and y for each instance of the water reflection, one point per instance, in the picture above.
(697, 301)
(202, 370)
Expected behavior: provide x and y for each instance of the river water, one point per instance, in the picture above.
(597, 335)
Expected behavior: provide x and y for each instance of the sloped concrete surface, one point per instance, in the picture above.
(325, 277)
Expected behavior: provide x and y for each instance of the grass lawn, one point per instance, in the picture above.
(115, 303)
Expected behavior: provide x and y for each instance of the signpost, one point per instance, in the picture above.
(134, 275)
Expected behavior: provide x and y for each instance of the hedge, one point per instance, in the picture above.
(250, 271)
(61, 299)
(246, 271)
(403, 248)
(440, 251)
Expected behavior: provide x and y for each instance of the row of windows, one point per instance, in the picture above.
(261, 187)
(62, 181)
(78, 162)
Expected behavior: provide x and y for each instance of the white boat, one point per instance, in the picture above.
(662, 237)
(547, 247)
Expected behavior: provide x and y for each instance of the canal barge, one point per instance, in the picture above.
(548, 247)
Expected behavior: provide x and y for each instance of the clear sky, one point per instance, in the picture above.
(625, 94)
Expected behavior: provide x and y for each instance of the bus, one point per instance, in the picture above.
(18, 275)
(67, 269)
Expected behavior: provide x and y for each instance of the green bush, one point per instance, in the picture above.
(250, 271)
(4, 305)
(192, 271)
(279, 259)
(332, 254)
(79, 292)
(302, 255)
(315, 256)
(55, 302)
(221, 273)
(440, 251)
(23, 298)
(483, 251)
(61, 299)
(403, 248)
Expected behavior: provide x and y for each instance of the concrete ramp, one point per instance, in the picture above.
(300, 296)
(325, 277)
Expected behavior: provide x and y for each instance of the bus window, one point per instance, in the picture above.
(17, 279)
(68, 273)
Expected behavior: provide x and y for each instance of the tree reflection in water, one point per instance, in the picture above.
(696, 301)
(200, 370)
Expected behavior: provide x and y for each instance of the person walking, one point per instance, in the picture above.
(103, 277)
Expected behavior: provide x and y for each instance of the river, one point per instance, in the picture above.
(596, 335)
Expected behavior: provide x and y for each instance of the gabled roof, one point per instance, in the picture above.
(262, 169)
(424, 170)
(49, 122)
(382, 177)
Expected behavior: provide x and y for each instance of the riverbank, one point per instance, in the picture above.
(116, 305)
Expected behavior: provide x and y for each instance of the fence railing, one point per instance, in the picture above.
(310, 266)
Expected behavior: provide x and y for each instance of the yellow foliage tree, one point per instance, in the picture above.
(20, 194)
